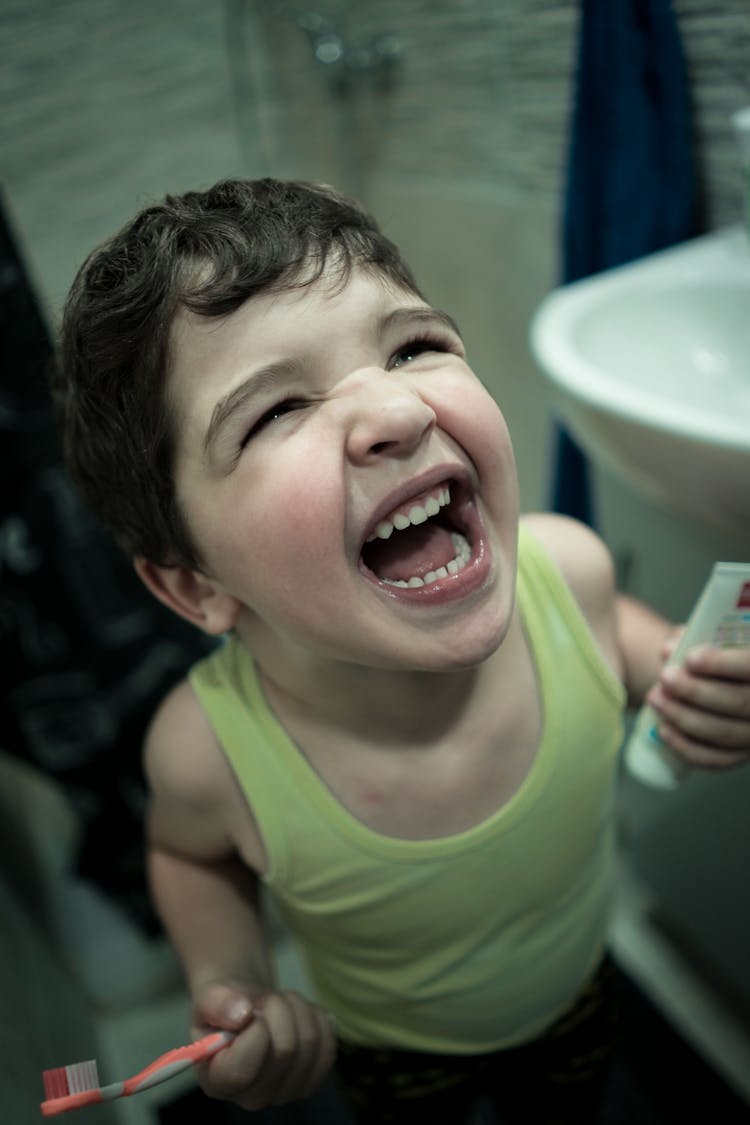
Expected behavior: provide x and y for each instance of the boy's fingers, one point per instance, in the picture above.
(283, 1049)
(296, 1047)
(230, 1072)
(707, 757)
(722, 696)
(281, 1057)
(728, 663)
(317, 1047)
(709, 730)
(326, 1052)
(277, 1082)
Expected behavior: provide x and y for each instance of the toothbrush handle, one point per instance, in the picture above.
(177, 1060)
(168, 1064)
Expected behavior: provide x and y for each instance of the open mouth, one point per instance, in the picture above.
(425, 541)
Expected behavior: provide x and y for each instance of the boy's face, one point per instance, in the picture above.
(349, 482)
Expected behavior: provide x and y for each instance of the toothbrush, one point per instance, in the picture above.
(77, 1085)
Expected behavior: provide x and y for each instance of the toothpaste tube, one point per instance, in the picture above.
(721, 617)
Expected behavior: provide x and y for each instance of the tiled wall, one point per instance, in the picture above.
(716, 40)
(479, 92)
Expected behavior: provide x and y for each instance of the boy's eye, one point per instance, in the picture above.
(278, 410)
(415, 348)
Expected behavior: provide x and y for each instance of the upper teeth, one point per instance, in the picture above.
(417, 514)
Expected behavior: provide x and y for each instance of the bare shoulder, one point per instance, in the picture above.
(586, 565)
(583, 558)
(188, 775)
(180, 745)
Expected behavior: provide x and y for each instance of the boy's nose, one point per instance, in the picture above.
(387, 416)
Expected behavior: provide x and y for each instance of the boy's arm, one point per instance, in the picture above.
(207, 897)
(191, 897)
(644, 638)
(705, 703)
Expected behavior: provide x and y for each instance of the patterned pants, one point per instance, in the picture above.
(556, 1080)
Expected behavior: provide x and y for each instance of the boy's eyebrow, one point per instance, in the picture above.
(426, 314)
(255, 383)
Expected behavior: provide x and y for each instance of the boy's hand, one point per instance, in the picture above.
(284, 1047)
(704, 705)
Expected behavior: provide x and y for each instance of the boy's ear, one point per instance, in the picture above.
(191, 595)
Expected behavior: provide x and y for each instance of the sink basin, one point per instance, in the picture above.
(650, 369)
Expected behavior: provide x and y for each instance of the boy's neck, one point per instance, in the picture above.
(375, 704)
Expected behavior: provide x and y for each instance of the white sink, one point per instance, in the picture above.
(650, 367)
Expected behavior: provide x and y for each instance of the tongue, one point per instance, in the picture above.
(412, 552)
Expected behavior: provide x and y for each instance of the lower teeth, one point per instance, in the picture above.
(458, 562)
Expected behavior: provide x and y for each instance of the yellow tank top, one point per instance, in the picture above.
(466, 943)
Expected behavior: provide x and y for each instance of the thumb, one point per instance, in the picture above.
(671, 642)
(222, 1004)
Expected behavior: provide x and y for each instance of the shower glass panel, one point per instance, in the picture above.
(312, 87)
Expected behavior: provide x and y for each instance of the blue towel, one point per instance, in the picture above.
(631, 184)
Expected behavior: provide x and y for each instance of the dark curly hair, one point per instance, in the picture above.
(208, 252)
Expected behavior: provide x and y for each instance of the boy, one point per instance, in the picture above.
(409, 735)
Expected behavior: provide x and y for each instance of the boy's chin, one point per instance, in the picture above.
(454, 650)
